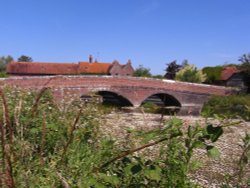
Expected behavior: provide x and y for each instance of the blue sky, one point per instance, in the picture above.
(149, 32)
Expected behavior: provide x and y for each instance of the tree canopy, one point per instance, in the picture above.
(245, 59)
(190, 74)
(142, 72)
(172, 69)
(24, 58)
(245, 62)
(4, 61)
(213, 74)
(245, 66)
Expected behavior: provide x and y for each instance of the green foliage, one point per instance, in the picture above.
(3, 75)
(213, 74)
(150, 107)
(158, 76)
(245, 157)
(233, 106)
(172, 69)
(142, 72)
(3, 62)
(190, 74)
(245, 66)
(244, 160)
(245, 59)
(175, 161)
(24, 58)
(54, 147)
(49, 141)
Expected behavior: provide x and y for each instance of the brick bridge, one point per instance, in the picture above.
(127, 91)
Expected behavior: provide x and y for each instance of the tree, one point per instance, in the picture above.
(245, 63)
(24, 58)
(245, 66)
(4, 61)
(172, 69)
(213, 74)
(245, 59)
(142, 72)
(190, 74)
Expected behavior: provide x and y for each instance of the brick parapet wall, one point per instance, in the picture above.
(112, 81)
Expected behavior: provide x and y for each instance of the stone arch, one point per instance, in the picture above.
(114, 98)
(166, 102)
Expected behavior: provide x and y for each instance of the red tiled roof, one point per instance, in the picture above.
(228, 72)
(42, 68)
(95, 67)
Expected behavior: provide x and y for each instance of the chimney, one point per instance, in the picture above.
(90, 58)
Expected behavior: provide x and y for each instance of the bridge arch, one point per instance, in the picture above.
(114, 98)
(164, 101)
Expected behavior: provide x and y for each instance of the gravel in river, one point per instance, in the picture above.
(213, 172)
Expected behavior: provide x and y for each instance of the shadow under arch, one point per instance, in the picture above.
(113, 99)
(162, 103)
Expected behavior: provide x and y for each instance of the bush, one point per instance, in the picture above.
(233, 106)
(47, 143)
(213, 74)
(150, 107)
(142, 72)
(190, 74)
(3, 75)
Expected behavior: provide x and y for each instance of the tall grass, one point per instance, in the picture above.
(233, 106)
(43, 145)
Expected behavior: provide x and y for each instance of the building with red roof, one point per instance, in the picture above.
(42, 68)
(94, 68)
(234, 77)
(229, 72)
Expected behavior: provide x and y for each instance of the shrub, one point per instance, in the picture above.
(190, 74)
(213, 74)
(150, 107)
(142, 72)
(233, 106)
(3, 75)
(46, 144)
